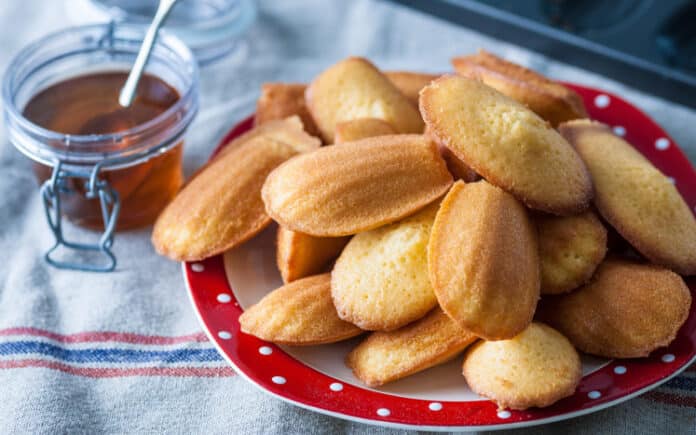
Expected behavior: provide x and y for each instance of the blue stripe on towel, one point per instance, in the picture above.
(100, 355)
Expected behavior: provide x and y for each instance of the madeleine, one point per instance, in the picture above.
(547, 98)
(536, 368)
(299, 255)
(507, 144)
(299, 314)
(357, 186)
(570, 249)
(354, 88)
(221, 206)
(635, 197)
(380, 282)
(627, 311)
(281, 100)
(385, 357)
(483, 260)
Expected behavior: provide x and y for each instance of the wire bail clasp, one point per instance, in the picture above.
(109, 200)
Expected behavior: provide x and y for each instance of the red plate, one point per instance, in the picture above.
(437, 399)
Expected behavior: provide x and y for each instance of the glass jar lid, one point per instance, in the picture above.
(212, 29)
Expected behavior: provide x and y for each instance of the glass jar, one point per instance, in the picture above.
(106, 181)
(212, 29)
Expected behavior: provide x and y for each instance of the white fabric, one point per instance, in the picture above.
(291, 41)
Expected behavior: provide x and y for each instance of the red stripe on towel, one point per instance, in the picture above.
(99, 372)
(88, 337)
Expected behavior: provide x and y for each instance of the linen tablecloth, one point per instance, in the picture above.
(123, 352)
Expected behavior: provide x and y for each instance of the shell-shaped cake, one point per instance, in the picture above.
(507, 144)
(221, 205)
(626, 311)
(636, 198)
(380, 282)
(547, 98)
(384, 357)
(354, 88)
(538, 367)
(357, 186)
(570, 249)
(483, 260)
(300, 313)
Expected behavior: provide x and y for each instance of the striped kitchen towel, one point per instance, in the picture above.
(111, 354)
(119, 354)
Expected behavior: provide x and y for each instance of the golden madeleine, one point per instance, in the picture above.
(299, 314)
(357, 186)
(507, 144)
(299, 255)
(221, 206)
(549, 99)
(410, 83)
(354, 88)
(635, 197)
(483, 260)
(380, 280)
(626, 311)
(361, 128)
(570, 249)
(281, 100)
(385, 357)
(288, 130)
(536, 368)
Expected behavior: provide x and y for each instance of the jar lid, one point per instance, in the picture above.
(212, 29)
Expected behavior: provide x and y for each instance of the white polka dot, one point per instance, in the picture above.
(278, 380)
(594, 394)
(197, 267)
(672, 180)
(265, 350)
(619, 130)
(336, 386)
(435, 406)
(662, 143)
(602, 101)
(668, 358)
(224, 298)
(224, 335)
(504, 414)
(383, 412)
(620, 370)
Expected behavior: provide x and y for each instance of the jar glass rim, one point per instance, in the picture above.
(165, 40)
(227, 14)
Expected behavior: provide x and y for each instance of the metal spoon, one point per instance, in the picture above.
(127, 94)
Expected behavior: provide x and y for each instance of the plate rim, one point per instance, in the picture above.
(398, 425)
(394, 425)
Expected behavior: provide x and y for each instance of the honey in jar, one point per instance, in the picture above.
(88, 105)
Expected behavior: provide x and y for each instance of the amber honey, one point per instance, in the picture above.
(88, 105)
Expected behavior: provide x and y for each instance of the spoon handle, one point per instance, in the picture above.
(127, 94)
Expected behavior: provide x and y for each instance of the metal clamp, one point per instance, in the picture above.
(51, 191)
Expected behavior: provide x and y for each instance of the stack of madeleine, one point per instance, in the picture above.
(440, 215)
